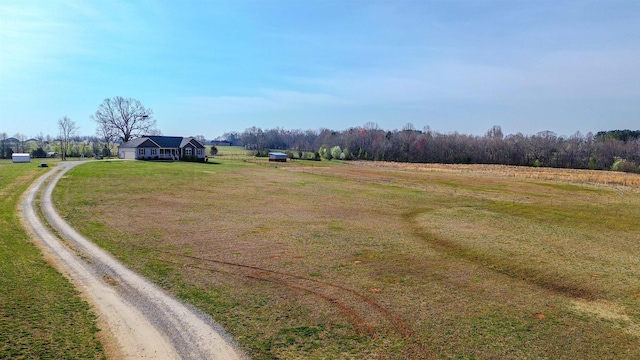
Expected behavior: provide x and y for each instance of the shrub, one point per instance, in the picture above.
(346, 155)
(336, 152)
(38, 153)
(260, 153)
(324, 153)
(624, 165)
(361, 154)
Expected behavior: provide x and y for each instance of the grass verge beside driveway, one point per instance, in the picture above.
(41, 313)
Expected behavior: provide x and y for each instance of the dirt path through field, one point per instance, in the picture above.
(142, 320)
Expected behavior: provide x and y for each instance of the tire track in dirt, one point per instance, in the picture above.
(365, 313)
(359, 323)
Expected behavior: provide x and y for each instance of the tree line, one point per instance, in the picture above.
(47, 146)
(120, 119)
(606, 150)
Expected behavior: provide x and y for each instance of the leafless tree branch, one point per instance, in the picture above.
(68, 130)
(125, 117)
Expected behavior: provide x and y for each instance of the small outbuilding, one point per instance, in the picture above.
(21, 157)
(277, 156)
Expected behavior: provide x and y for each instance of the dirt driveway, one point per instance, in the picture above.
(139, 320)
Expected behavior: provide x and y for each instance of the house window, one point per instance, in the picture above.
(141, 151)
(199, 152)
(187, 151)
(153, 151)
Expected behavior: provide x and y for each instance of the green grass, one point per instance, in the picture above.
(341, 260)
(230, 151)
(41, 314)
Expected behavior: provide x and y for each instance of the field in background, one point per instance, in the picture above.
(375, 260)
(41, 314)
(230, 151)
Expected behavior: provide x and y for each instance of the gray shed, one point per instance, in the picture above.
(277, 156)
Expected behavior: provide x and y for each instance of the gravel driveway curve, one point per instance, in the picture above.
(143, 321)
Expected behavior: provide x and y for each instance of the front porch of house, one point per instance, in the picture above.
(169, 154)
(160, 153)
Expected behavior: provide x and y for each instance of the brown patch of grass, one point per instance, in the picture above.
(611, 312)
(565, 175)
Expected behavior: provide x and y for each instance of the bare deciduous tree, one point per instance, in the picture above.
(68, 130)
(154, 132)
(126, 117)
(3, 145)
(40, 140)
(109, 135)
(21, 145)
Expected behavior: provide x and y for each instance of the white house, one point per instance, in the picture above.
(162, 148)
(21, 157)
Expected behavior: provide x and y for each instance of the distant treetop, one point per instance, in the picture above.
(623, 135)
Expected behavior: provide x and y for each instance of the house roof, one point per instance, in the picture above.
(148, 143)
(162, 142)
(134, 143)
(166, 141)
(191, 140)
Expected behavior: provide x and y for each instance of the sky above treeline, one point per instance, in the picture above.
(210, 67)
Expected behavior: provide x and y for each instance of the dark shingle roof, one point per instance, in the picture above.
(166, 141)
(193, 142)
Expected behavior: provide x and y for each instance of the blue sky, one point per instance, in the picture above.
(210, 67)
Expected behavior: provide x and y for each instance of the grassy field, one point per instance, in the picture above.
(225, 151)
(41, 314)
(373, 260)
